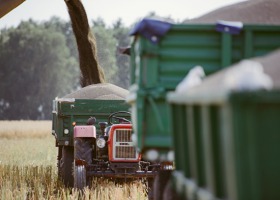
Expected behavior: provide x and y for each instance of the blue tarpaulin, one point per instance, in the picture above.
(229, 27)
(151, 29)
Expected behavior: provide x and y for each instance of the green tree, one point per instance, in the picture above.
(120, 33)
(39, 61)
(64, 27)
(36, 66)
(106, 48)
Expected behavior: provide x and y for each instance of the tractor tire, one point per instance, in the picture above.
(80, 177)
(160, 183)
(66, 166)
(83, 152)
(83, 149)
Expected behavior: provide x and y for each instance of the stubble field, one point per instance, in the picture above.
(28, 167)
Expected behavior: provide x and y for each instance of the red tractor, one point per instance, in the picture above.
(110, 154)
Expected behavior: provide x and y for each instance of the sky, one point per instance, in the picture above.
(129, 11)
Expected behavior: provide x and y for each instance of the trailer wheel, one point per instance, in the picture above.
(65, 166)
(160, 183)
(59, 155)
(149, 188)
(83, 150)
(169, 192)
(80, 177)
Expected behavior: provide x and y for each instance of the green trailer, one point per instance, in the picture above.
(227, 141)
(71, 112)
(158, 67)
(99, 100)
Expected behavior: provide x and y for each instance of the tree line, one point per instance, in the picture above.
(39, 61)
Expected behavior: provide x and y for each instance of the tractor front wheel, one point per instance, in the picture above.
(83, 152)
(80, 177)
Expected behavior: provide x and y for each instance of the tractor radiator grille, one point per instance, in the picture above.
(123, 135)
(125, 152)
(123, 147)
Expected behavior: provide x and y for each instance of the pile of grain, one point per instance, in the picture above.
(218, 81)
(271, 66)
(248, 12)
(100, 91)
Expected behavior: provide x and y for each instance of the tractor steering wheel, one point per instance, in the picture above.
(115, 116)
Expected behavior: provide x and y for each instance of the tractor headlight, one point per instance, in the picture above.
(100, 142)
(66, 131)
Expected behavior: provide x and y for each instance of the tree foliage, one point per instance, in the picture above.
(36, 66)
(106, 45)
(120, 32)
(39, 61)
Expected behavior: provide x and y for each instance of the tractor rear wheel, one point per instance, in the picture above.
(83, 152)
(65, 166)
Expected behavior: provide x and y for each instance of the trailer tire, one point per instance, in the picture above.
(66, 166)
(170, 193)
(160, 183)
(59, 155)
(149, 188)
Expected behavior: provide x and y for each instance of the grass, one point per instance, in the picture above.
(28, 167)
(25, 129)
